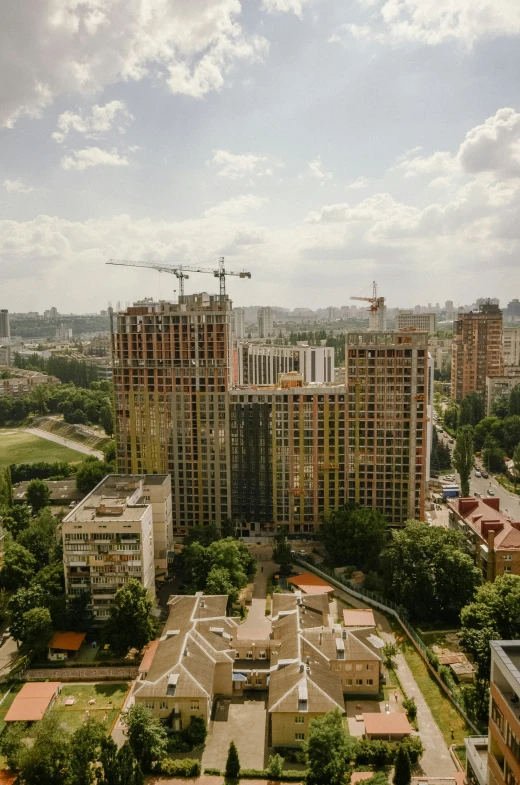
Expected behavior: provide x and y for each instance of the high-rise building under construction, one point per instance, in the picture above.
(172, 373)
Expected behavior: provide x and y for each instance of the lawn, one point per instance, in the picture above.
(444, 713)
(16, 446)
(7, 696)
(108, 701)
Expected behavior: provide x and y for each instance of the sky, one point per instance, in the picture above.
(318, 144)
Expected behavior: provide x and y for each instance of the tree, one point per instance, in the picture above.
(12, 743)
(108, 770)
(38, 495)
(219, 582)
(17, 518)
(232, 762)
(25, 599)
(204, 535)
(37, 629)
(130, 624)
(86, 742)
(463, 456)
(354, 536)
(146, 735)
(48, 760)
(275, 766)
(389, 652)
(129, 770)
(451, 417)
(282, 552)
(511, 433)
(403, 767)
(90, 473)
(494, 614)
(40, 538)
(516, 461)
(19, 567)
(472, 409)
(514, 400)
(328, 750)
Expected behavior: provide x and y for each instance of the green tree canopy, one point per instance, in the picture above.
(232, 762)
(514, 400)
(38, 495)
(90, 472)
(354, 536)
(328, 750)
(463, 456)
(427, 571)
(37, 629)
(494, 614)
(25, 599)
(130, 624)
(19, 567)
(40, 538)
(146, 735)
(402, 767)
(472, 409)
(47, 761)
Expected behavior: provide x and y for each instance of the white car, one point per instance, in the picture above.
(478, 474)
(490, 492)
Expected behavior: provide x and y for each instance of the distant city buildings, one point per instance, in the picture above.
(259, 364)
(23, 382)
(238, 324)
(511, 344)
(5, 329)
(63, 333)
(265, 323)
(417, 321)
(498, 388)
(476, 350)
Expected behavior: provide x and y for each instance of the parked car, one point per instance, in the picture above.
(491, 492)
(477, 494)
(478, 474)
(434, 476)
(484, 474)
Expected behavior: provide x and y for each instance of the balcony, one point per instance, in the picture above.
(477, 757)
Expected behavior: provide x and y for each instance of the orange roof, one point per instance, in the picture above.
(32, 701)
(70, 641)
(144, 667)
(359, 617)
(310, 584)
(358, 776)
(386, 724)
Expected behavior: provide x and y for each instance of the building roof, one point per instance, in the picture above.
(60, 490)
(149, 654)
(289, 684)
(32, 701)
(359, 776)
(309, 583)
(334, 645)
(69, 641)
(484, 516)
(394, 723)
(359, 617)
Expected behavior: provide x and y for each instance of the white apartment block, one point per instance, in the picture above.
(418, 321)
(499, 388)
(261, 364)
(238, 324)
(122, 529)
(511, 345)
(265, 323)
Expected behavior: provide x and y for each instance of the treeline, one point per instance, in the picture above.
(440, 456)
(46, 328)
(92, 406)
(66, 369)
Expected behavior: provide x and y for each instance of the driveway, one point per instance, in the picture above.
(52, 437)
(258, 625)
(8, 657)
(243, 721)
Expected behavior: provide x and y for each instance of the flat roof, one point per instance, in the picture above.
(70, 641)
(396, 722)
(32, 701)
(359, 617)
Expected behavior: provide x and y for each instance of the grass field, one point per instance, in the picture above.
(16, 446)
(108, 701)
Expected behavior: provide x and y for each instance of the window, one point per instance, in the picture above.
(359, 682)
(497, 717)
(259, 681)
(359, 667)
(338, 666)
(348, 666)
(299, 736)
(348, 682)
(194, 705)
(370, 667)
(149, 704)
(370, 682)
(163, 705)
(262, 655)
(249, 655)
(299, 720)
(237, 655)
(507, 569)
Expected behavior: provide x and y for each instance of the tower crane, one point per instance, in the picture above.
(180, 270)
(377, 309)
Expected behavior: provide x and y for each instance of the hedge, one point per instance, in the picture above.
(262, 774)
(214, 772)
(186, 767)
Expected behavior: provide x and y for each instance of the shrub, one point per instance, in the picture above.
(196, 732)
(275, 765)
(410, 707)
(213, 772)
(232, 762)
(432, 659)
(413, 746)
(186, 767)
(263, 774)
(373, 752)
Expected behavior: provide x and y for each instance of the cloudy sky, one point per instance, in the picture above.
(316, 143)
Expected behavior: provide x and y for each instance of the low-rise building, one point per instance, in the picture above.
(122, 529)
(492, 536)
(405, 320)
(511, 346)
(62, 492)
(23, 382)
(498, 388)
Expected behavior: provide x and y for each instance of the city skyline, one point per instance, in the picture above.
(310, 142)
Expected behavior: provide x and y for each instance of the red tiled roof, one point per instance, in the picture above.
(310, 583)
(144, 667)
(387, 724)
(70, 641)
(483, 516)
(32, 701)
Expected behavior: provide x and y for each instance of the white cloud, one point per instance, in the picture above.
(92, 156)
(18, 186)
(315, 170)
(432, 22)
(284, 6)
(96, 124)
(416, 165)
(236, 166)
(67, 47)
(360, 182)
(236, 206)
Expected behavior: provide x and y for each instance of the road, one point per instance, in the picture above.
(52, 437)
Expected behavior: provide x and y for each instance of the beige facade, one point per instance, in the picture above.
(498, 388)
(511, 341)
(440, 350)
(477, 350)
(504, 721)
(23, 382)
(260, 364)
(405, 320)
(109, 538)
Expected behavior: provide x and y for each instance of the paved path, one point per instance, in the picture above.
(53, 437)
(436, 761)
(257, 624)
(8, 656)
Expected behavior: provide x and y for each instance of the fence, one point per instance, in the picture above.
(399, 614)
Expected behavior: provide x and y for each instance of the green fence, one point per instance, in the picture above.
(399, 613)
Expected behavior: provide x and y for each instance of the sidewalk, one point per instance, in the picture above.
(257, 624)
(53, 437)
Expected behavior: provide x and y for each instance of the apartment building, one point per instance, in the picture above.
(5, 328)
(23, 382)
(238, 324)
(440, 350)
(389, 383)
(498, 388)
(172, 371)
(202, 654)
(511, 344)
(122, 529)
(287, 454)
(262, 364)
(265, 322)
(492, 536)
(405, 320)
(477, 350)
